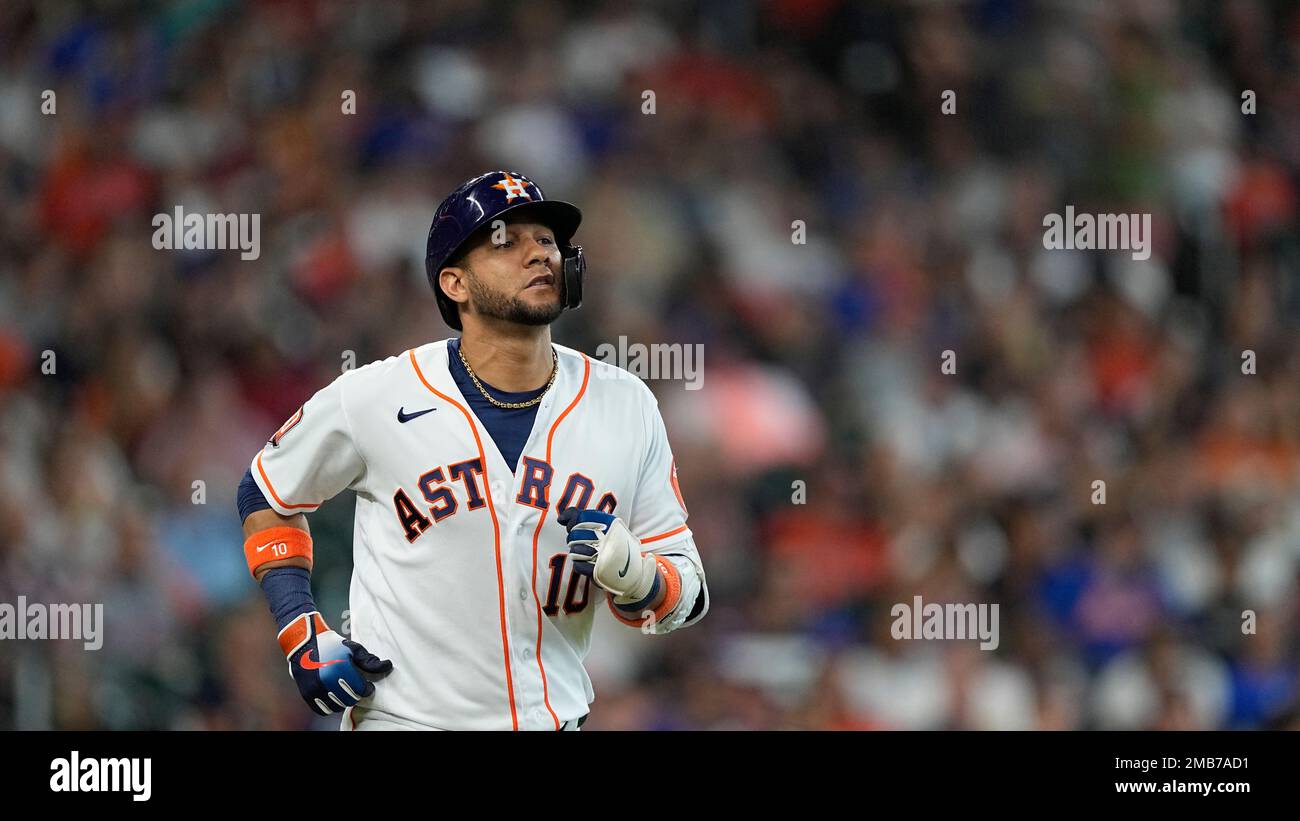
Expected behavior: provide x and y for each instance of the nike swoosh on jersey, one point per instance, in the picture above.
(403, 416)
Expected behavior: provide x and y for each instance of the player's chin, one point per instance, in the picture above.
(541, 297)
(537, 311)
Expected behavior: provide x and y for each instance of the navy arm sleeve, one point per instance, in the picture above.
(287, 589)
(249, 497)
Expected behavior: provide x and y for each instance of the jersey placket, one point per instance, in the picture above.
(524, 699)
(518, 522)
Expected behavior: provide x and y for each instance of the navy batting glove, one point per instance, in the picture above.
(332, 673)
(585, 528)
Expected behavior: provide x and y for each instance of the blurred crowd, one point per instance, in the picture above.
(1111, 457)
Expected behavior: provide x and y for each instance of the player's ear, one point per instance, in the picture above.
(452, 280)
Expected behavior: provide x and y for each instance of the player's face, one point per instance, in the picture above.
(517, 279)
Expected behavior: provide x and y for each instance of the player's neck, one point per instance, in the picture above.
(515, 362)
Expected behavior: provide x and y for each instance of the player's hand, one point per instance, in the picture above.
(331, 672)
(602, 547)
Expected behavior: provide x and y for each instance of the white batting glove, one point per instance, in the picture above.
(602, 547)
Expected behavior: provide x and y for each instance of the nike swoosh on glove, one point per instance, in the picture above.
(601, 546)
(331, 672)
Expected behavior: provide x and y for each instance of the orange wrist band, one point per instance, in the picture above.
(274, 544)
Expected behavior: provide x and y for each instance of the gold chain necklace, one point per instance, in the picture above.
(555, 370)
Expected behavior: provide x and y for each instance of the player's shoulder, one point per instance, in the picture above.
(607, 378)
(385, 371)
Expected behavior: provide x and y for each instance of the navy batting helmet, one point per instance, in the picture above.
(487, 197)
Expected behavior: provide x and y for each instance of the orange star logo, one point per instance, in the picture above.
(514, 187)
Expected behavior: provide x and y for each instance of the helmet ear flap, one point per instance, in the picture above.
(575, 267)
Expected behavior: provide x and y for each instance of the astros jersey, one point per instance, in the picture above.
(460, 571)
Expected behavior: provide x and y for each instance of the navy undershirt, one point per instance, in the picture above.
(508, 428)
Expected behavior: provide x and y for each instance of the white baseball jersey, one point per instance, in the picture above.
(460, 571)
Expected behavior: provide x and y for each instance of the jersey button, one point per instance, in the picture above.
(523, 594)
(528, 654)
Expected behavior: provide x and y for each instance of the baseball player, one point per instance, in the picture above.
(507, 490)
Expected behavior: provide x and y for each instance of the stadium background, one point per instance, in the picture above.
(821, 361)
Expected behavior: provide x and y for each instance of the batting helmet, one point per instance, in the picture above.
(487, 197)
